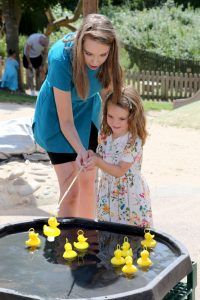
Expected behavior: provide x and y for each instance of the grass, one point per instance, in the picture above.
(18, 98)
(186, 116)
(157, 105)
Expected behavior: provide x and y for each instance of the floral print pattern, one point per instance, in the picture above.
(125, 199)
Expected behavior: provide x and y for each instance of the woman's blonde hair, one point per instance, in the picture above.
(131, 101)
(98, 28)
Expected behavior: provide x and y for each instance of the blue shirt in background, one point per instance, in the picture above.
(10, 76)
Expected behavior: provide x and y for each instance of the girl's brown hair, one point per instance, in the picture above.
(131, 101)
(98, 28)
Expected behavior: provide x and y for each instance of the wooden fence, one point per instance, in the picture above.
(152, 85)
(165, 86)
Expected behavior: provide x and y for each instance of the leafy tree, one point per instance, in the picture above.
(186, 3)
(32, 21)
(35, 20)
(132, 5)
(12, 12)
(168, 31)
(142, 4)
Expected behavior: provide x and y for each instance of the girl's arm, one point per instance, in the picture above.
(113, 170)
(66, 120)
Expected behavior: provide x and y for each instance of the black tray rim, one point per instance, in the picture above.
(154, 290)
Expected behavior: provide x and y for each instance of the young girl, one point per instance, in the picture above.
(10, 76)
(123, 195)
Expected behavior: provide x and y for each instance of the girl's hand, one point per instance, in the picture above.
(91, 153)
(91, 162)
(81, 158)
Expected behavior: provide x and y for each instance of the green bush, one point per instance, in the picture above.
(167, 30)
(3, 47)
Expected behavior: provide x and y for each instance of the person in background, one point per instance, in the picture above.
(10, 76)
(35, 54)
(67, 114)
(123, 195)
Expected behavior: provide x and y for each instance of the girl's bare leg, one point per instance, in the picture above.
(65, 174)
(87, 201)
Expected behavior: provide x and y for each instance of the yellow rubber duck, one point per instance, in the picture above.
(144, 260)
(117, 259)
(149, 242)
(126, 248)
(81, 245)
(34, 240)
(69, 254)
(129, 268)
(51, 231)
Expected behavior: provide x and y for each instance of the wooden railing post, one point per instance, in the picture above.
(163, 86)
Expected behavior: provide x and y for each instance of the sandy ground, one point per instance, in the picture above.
(171, 166)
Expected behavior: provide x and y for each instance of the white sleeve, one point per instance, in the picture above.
(132, 152)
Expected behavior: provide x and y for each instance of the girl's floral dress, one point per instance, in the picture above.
(125, 199)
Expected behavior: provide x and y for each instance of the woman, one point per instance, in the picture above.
(68, 107)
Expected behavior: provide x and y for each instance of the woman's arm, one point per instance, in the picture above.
(66, 120)
(114, 170)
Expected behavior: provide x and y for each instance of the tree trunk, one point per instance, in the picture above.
(11, 11)
(90, 7)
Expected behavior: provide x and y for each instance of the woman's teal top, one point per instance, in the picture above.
(46, 125)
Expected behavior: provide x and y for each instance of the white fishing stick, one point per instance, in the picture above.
(70, 186)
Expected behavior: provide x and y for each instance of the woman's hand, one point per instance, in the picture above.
(81, 158)
(91, 153)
